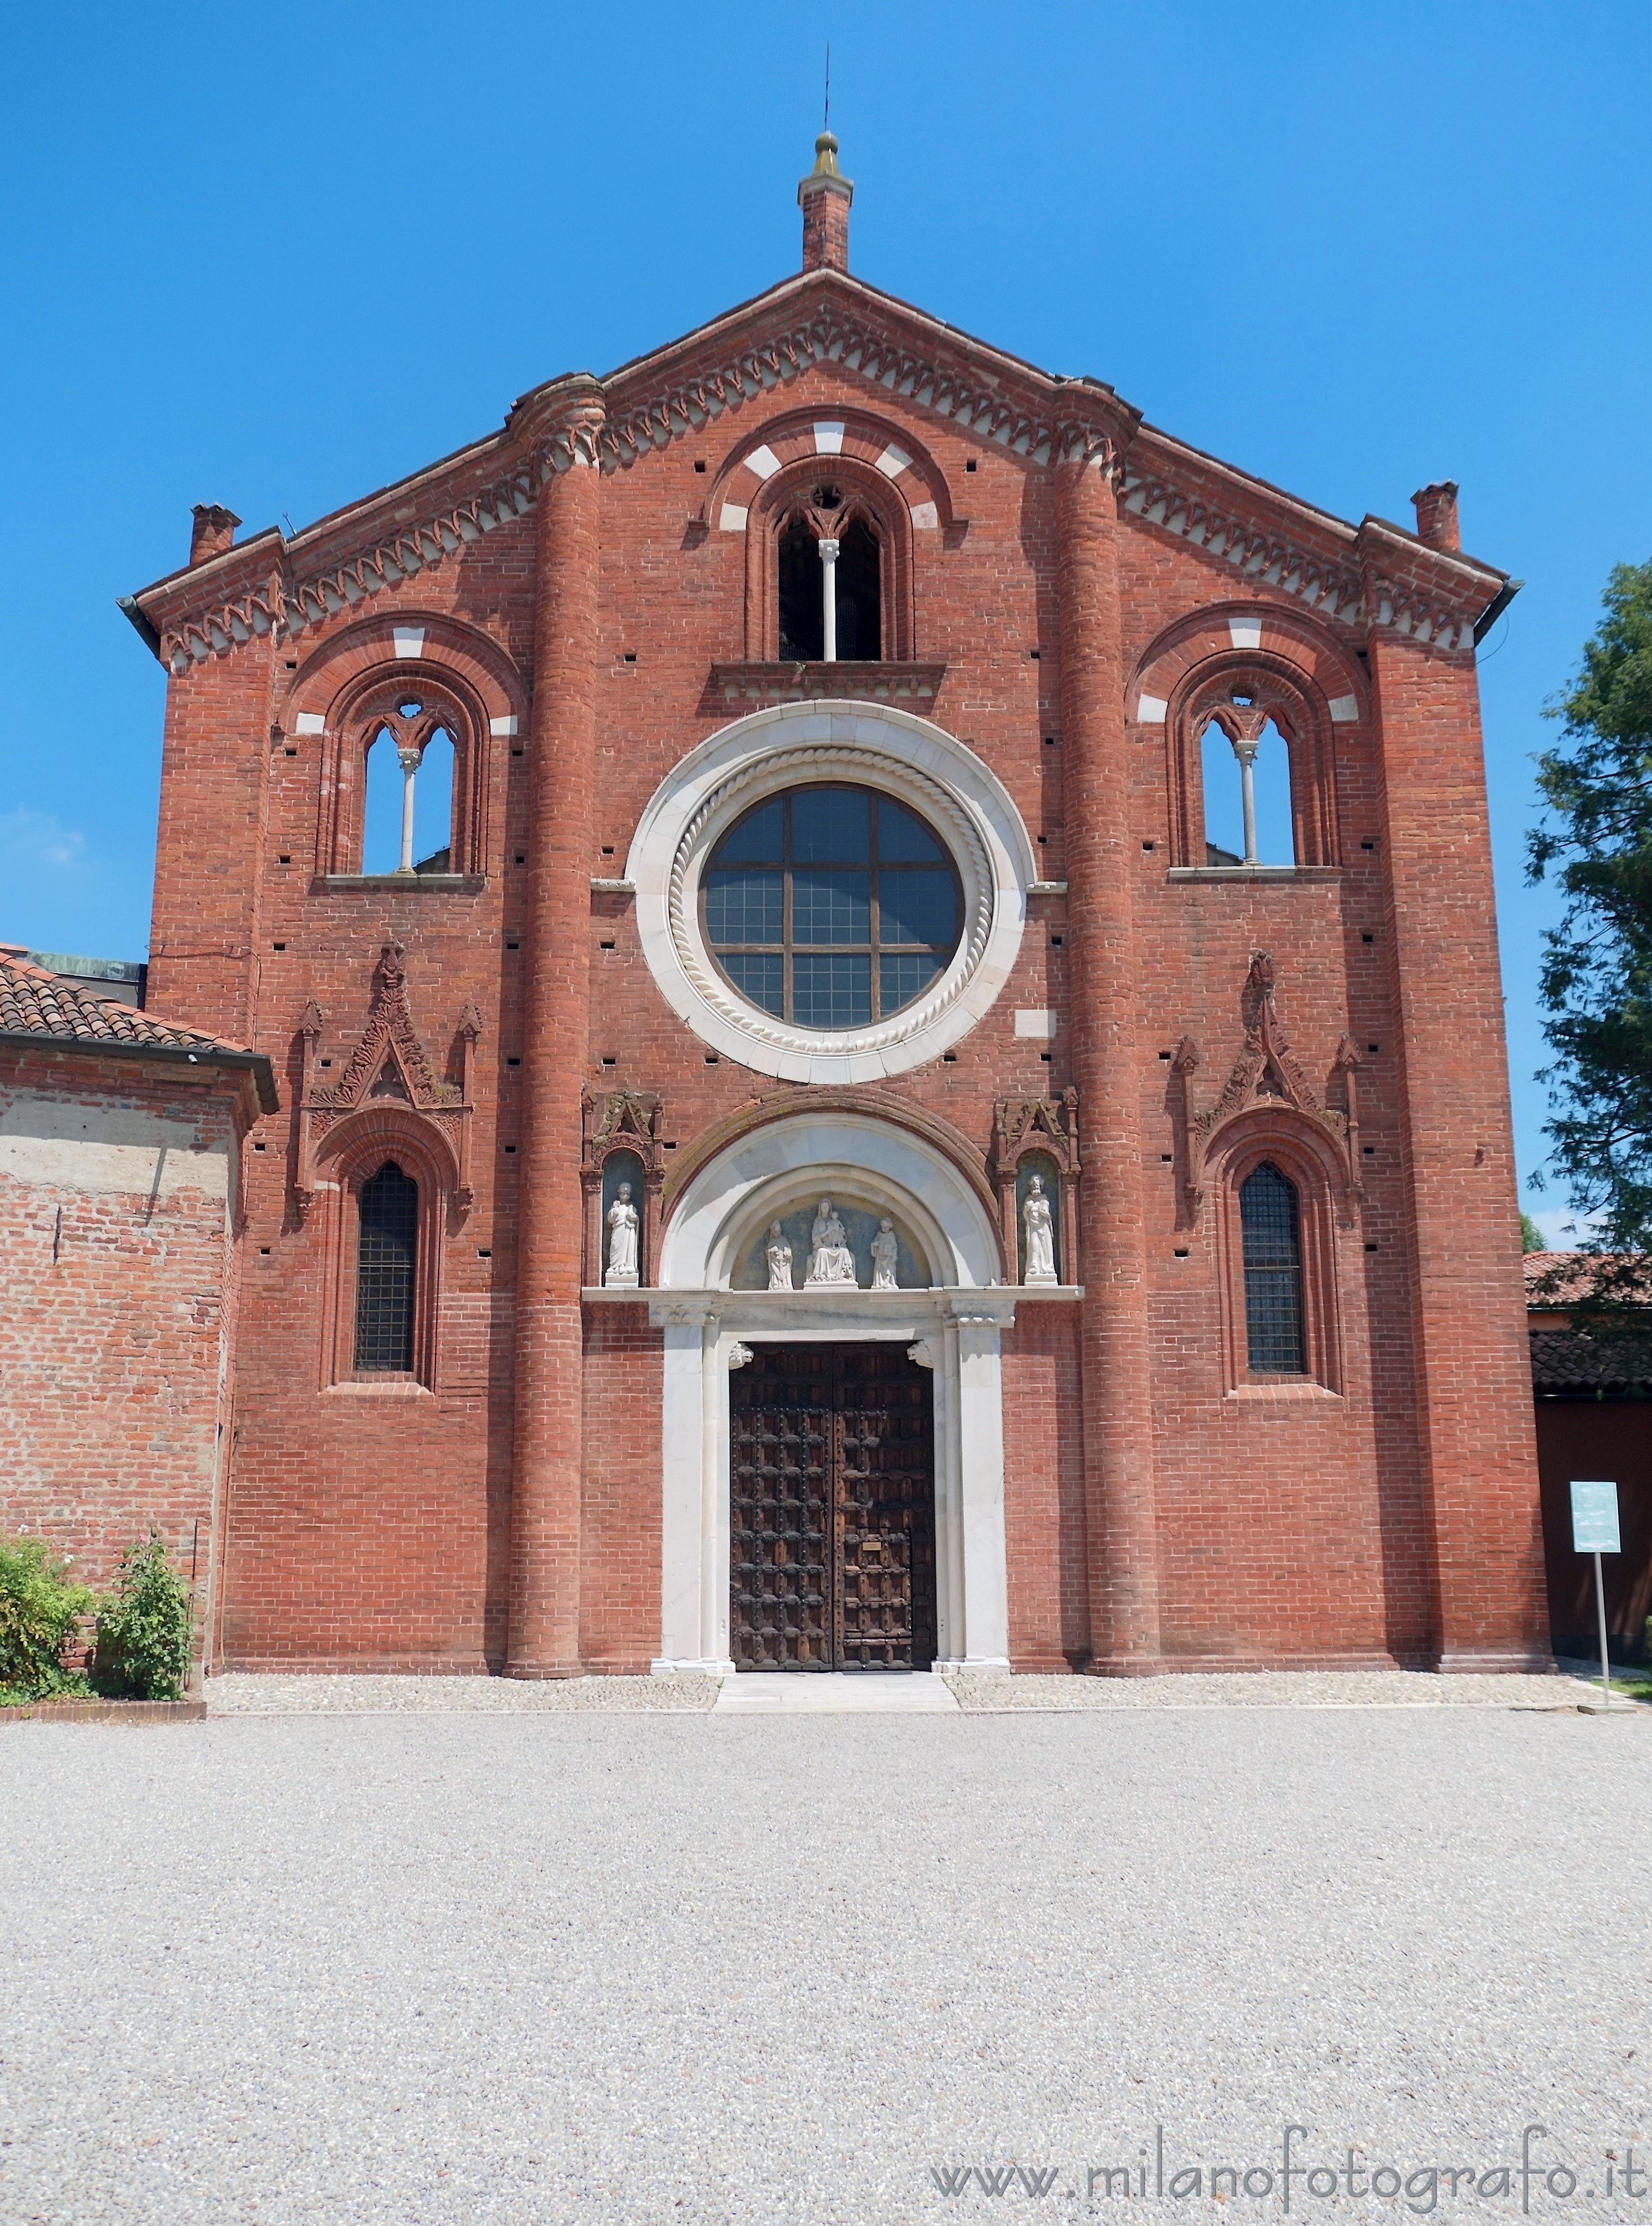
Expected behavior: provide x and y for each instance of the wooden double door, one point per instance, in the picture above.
(832, 1506)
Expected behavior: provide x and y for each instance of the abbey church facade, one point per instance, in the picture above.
(826, 1159)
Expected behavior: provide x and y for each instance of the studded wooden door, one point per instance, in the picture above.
(832, 1506)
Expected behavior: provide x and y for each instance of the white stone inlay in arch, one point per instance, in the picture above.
(787, 745)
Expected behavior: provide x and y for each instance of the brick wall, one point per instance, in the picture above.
(115, 1187)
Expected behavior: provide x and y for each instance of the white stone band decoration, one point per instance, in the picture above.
(792, 745)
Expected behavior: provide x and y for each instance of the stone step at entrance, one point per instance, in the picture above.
(864, 1692)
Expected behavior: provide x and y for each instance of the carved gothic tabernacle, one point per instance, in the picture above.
(389, 1067)
(622, 1122)
(1266, 1070)
(1034, 1128)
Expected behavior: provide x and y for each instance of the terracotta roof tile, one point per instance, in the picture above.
(36, 1003)
(1563, 1279)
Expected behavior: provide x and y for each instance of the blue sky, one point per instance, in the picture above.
(277, 261)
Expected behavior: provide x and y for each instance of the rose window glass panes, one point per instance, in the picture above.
(831, 909)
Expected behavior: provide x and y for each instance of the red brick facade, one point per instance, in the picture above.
(586, 594)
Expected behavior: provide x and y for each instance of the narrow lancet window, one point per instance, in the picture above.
(828, 564)
(1270, 1219)
(803, 626)
(386, 1246)
(1246, 775)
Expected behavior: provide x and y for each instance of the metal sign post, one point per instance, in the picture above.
(1594, 1530)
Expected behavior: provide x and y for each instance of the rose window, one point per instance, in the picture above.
(831, 907)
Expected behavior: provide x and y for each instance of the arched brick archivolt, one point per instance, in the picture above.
(350, 1156)
(1298, 1147)
(1293, 670)
(462, 677)
(884, 476)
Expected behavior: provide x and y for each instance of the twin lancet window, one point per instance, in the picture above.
(408, 822)
(831, 581)
(1246, 769)
(831, 907)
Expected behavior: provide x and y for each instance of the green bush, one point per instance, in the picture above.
(39, 1609)
(145, 1628)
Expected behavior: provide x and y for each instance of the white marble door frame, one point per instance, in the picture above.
(956, 1334)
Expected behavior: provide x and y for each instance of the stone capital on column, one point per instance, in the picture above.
(561, 425)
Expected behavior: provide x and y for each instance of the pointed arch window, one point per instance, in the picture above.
(408, 820)
(387, 1237)
(829, 569)
(1252, 770)
(1270, 1221)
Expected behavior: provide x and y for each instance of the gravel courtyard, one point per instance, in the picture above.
(675, 1966)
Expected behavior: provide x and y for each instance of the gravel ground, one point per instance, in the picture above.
(1270, 1688)
(238, 1695)
(377, 1970)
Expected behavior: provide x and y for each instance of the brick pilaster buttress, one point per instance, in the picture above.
(1476, 1434)
(1119, 1504)
(546, 1472)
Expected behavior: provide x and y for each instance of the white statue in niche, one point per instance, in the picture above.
(885, 1258)
(1040, 1223)
(830, 1260)
(623, 1228)
(778, 1253)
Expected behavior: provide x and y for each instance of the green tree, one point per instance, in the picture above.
(1595, 984)
(1532, 1238)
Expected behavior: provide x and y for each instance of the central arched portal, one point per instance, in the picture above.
(832, 1424)
(831, 1490)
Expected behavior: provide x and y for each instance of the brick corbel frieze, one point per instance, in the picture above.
(832, 321)
(1045, 1126)
(629, 1122)
(388, 1070)
(1432, 596)
(272, 586)
(1267, 1072)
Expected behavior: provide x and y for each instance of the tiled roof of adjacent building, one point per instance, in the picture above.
(37, 1004)
(1606, 1354)
(1582, 1365)
(1562, 1280)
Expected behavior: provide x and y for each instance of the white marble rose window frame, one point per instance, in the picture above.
(804, 745)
